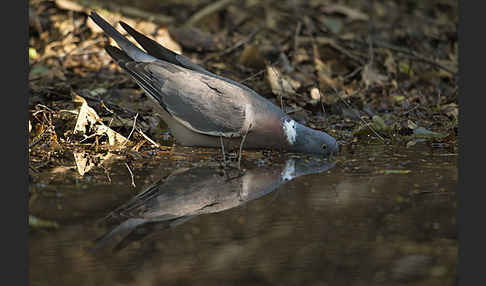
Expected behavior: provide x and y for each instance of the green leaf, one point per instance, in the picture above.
(333, 24)
(388, 172)
(40, 223)
(33, 54)
(424, 133)
(38, 69)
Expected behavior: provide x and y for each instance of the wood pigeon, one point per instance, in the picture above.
(202, 108)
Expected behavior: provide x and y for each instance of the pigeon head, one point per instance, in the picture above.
(303, 139)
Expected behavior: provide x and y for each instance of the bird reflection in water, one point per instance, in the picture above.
(190, 192)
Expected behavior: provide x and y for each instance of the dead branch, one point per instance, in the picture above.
(88, 5)
(210, 9)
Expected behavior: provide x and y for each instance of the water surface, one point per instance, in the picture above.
(376, 215)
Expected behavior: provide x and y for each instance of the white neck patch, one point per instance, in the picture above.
(290, 130)
(289, 171)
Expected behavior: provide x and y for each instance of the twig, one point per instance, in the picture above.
(253, 75)
(133, 12)
(370, 50)
(296, 37)
(88, 137)
(233, 48)
(148, 138)
(280, 82)
(43, 106)
(87, 5)
(110, 104)
(107, 173)
(261, 71)
(431, 62)
(133, 128)
(210, 9)
(332, 42)
(38, 139)
(79, 50)
(413, 54)
(353, 73)
(131, 174)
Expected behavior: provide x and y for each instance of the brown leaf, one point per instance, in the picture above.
(193, 39)
(252, 57)
(85, 161)
(281, 85)
(324, 71)
(61, 169)
(87, 116)
(89, 122)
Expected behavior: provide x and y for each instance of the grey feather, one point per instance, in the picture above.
(197, 101)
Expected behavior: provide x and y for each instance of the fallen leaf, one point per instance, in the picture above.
(81, 160)
(388, 172)
(252, 57)
(61, 169)
(85, 162)
(33, 54)
(87, 116)
(411, 124)
(421, 132)
(89, 123)
(37, 70)
(404, 67)
(379, 123)
(193, 39)
(334, 25)
(41, 223)
(281, 85)
(413, 142)
(69, 5)
(139, 144)
(324, 71)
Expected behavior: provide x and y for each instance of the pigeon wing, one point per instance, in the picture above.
(202, 103)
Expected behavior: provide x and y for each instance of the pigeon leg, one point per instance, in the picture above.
(241, 146)
(222, 149)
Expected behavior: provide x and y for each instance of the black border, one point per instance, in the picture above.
(14, 94)
(470, 194)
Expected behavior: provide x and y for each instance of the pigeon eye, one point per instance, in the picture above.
(323, 146)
